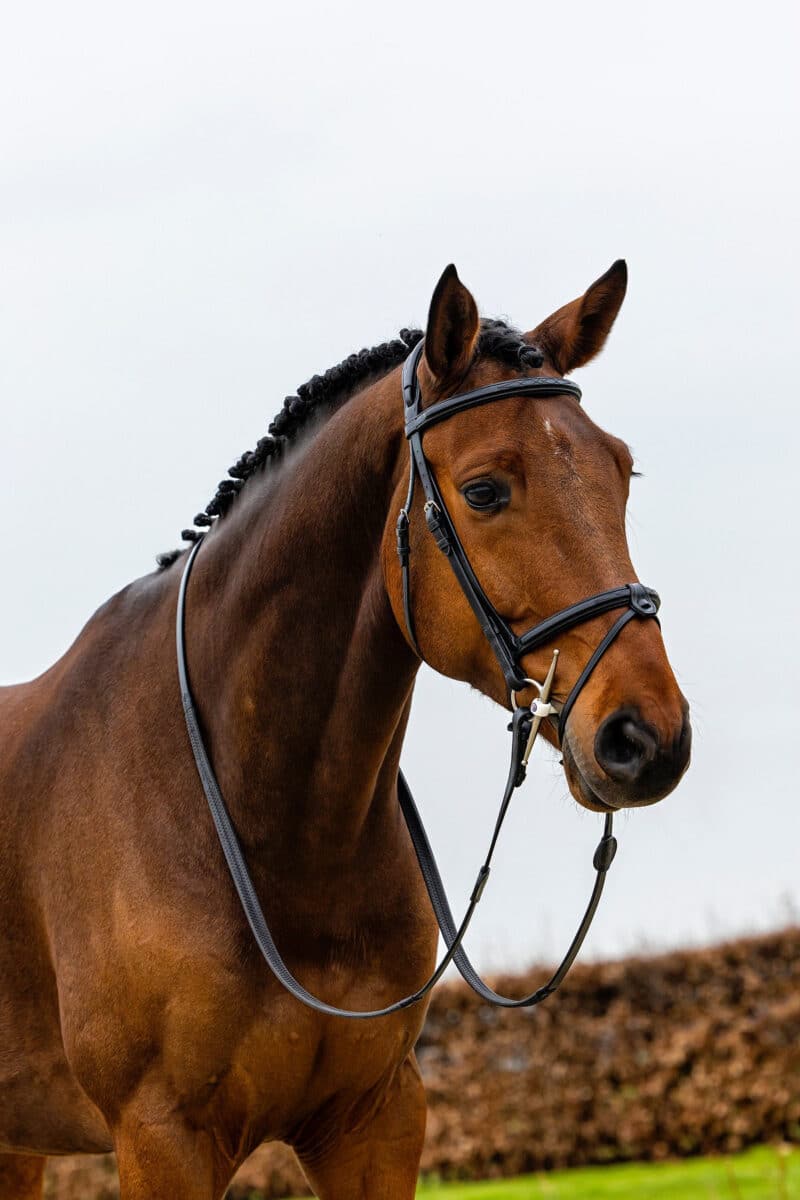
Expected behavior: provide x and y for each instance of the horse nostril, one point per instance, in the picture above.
(624, 746)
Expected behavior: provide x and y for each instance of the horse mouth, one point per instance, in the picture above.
(579, 784)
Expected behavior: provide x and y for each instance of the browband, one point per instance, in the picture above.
(418, 419)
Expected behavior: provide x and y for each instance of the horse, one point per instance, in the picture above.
(135, 1012)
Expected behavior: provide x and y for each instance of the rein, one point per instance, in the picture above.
(508, 647)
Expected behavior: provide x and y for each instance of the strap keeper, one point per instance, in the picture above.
(480, 884)
(604, 854)
(644, 601)
(403, 546)
(437, 528)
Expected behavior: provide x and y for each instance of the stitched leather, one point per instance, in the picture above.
(508, 647)
(453, 936)
(637, 601)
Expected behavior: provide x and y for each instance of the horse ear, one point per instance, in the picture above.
(577, 332)
(453, 327)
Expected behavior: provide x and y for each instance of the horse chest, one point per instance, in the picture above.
(264, 1065)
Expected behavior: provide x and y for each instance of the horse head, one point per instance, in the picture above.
(537, 492)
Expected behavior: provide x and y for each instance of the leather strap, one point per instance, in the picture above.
(495, 629)
(508, 647)
(453, 936)
(614, 632)
(637, 601)
(603, 857)
(537, 385)
(642, 601)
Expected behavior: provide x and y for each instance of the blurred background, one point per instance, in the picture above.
(203, 206)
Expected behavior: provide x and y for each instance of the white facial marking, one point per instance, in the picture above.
(548, 428)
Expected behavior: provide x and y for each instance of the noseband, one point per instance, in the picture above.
(509, 648)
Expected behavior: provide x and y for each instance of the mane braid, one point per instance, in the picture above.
(322, 394)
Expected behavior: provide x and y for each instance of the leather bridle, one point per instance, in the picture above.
(508, 647)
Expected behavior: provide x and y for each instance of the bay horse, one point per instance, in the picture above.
(135, 1012)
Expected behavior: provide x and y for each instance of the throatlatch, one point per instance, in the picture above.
(509, 648)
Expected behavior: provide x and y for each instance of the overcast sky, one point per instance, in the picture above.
(202, 205)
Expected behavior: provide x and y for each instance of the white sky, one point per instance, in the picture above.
(202, 205)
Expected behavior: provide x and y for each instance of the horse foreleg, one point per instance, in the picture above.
(21, 1176)
(168, 1160)
(377, 1156)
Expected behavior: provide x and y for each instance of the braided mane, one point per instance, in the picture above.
(322, 394)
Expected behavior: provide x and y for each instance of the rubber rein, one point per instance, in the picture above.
(635, 600)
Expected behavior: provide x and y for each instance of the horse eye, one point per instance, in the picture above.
(483, 494)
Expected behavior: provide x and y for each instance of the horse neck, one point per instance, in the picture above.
(302, 677)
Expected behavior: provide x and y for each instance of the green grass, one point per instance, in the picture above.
(761, 1174)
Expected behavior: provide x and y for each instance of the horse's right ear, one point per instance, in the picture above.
(577, 332)
(453, 327)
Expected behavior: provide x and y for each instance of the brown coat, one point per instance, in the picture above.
(135, 1012)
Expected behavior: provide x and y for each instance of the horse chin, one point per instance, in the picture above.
(591, 792)
(581, 788)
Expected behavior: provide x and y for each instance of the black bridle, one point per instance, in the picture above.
(509, 648)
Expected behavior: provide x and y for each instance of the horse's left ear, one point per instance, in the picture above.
(577, 332)
(453, 327)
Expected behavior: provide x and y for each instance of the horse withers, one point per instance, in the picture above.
(135, 1012)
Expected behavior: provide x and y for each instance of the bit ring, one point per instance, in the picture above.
(529, 683)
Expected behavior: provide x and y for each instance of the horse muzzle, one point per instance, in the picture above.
(633, 763)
